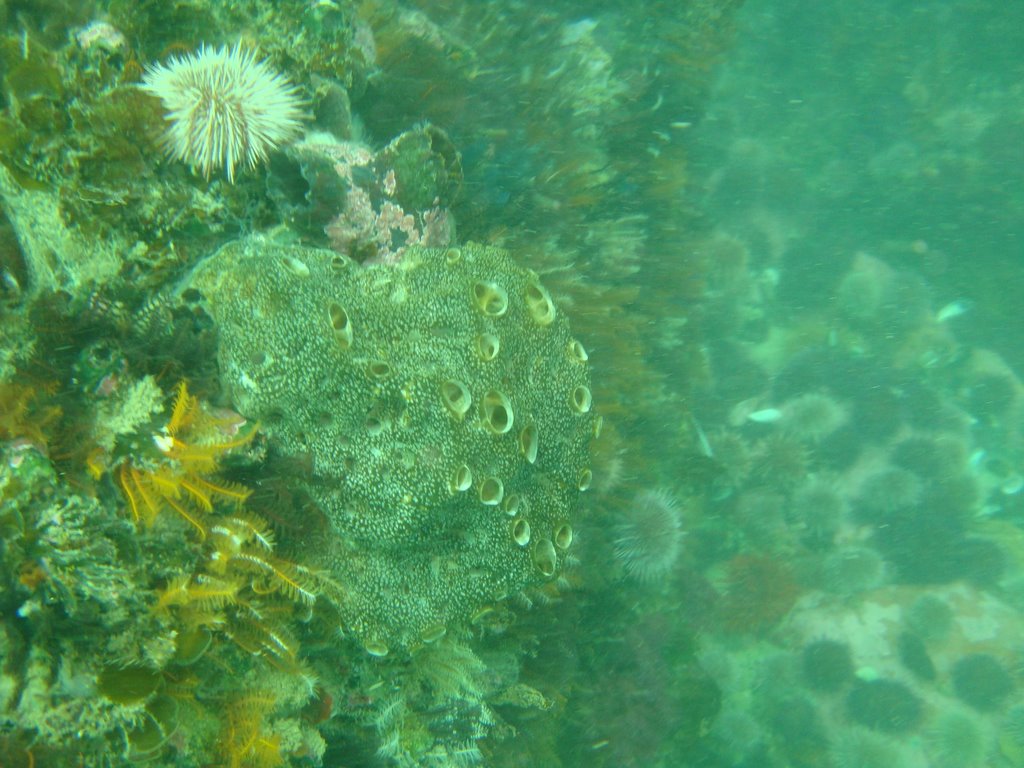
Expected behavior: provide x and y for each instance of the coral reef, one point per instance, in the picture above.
(336, 510)
(401, 475)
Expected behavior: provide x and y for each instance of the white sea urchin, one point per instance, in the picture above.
(649, 535)
(224, 107)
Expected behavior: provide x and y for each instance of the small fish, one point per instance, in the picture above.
(765, 416)
(1012, 485)
(867, 674)
(751, 410)
(702, 438)
(953, 309)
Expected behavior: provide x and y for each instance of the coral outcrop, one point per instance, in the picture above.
(444, 407)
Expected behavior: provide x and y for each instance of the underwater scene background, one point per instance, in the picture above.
(444, 383)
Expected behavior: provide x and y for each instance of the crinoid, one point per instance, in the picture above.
(248, 592)
(26, 413)
(183, 477)
(246, 738)
(241, 587)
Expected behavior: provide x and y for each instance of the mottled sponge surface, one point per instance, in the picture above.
(444, 404)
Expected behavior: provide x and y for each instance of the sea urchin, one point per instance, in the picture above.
(648, 537)
(224, 108)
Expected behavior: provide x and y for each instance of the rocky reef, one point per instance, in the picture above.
(294, 470)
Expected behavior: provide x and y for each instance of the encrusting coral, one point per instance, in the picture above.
(448, 455)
